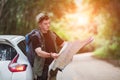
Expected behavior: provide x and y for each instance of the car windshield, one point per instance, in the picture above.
(7, 52)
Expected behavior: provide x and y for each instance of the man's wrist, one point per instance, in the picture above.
(50, 55)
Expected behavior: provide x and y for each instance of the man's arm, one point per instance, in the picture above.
(37, 48)
(44, 54)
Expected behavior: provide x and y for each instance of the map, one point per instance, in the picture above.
(67, 52)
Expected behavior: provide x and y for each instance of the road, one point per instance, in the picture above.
(85, 67)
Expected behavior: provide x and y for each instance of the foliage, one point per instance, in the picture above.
(108, 41)
(70, 20)
(18, 17)
(108, 50)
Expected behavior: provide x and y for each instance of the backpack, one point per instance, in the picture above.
(29, 47)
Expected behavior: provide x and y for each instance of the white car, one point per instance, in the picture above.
(14, 64)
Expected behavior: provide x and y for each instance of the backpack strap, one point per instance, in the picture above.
(29, 46)
(27, 41)
(28, 38)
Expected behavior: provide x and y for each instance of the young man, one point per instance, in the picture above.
(45, 47)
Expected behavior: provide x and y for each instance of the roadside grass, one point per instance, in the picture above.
(103, 54)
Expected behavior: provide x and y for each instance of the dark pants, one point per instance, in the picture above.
(52, 75)
(44, 74)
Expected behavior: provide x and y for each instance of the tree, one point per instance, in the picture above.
(109, 31)
(18, 17)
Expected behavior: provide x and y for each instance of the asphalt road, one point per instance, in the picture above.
(85, 67)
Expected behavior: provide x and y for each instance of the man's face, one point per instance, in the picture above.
(44, 25)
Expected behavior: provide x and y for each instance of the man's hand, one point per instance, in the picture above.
(54, 55)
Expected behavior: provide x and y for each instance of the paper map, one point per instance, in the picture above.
(67, 52)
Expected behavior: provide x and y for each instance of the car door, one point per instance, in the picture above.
(7, 53)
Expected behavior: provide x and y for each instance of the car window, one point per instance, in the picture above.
(22, 46)
(7, 52)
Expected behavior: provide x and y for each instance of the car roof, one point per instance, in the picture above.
(12, 38)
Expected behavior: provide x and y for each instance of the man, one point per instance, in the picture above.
(44, 47)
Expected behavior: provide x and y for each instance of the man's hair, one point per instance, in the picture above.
(41, 16)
